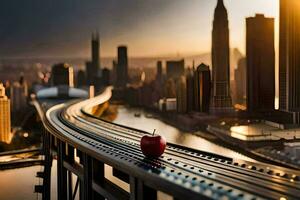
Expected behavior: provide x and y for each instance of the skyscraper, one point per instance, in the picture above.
(4, 116)
(181, 95)
(159, 72)
(105, 77)
(240, 81)
(80, 79)
(221, 98)
(202, 88)
(93, 67)
(175, 69)
(289, 64)
(260, 54)
(62, 74)
(18, 97)
(122, 67)
(190, 89)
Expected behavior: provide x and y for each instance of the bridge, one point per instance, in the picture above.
(84, 145)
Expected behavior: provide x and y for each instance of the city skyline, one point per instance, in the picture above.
(25, 35)
(153, 99)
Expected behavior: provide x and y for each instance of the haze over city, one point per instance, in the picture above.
(54, 28)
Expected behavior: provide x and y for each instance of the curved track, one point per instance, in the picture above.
(189, 172)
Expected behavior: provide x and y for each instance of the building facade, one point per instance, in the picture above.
(5, 123)
(241, 81)
(175, 69)
(289, 62)
(62, 74)
(122, 67)
(190, 89)
(181, 95)
(202, 88)
(18, 96)
(221, 97)
(93, 68)
(159, 71)
(260, 53)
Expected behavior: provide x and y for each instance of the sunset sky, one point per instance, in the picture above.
(149, 27)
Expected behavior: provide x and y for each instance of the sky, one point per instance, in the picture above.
(62, 28)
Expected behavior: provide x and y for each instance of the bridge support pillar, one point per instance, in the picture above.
(61, 171)
(98, 177)
(47, 165)
(139, 191)
(86, 184)
(70, 159)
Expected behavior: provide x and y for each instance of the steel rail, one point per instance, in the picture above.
(161, 177)
(190, 174)
(223, 173)
(219, 163)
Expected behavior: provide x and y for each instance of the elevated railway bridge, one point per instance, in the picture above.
(84, 144)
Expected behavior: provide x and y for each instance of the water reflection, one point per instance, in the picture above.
(18, 184)
(126, 116)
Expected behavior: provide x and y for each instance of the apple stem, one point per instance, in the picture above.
(153, 132)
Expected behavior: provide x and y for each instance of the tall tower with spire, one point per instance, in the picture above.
(221, 98)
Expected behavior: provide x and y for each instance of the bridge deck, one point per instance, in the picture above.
(181, 172)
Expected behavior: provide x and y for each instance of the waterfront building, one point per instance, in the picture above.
(5, 123)
(62, 74)
(260, 53)
(167, 104)
(240, 81)
(221, 98)
(93, 68)
(289, 62)
(202, 88)
(175, 69)
(181, 95)
(122, 67)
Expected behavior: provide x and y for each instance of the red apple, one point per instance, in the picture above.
(153, 146)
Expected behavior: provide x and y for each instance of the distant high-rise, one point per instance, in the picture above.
(81, 79)
(175, 69)
(159, 71)
(289, 62)
(190, 89)
(240, 81)
(114, 73)
(5, 123)
(93, 68)
(170, 89)
(221, 98)
(62, 74)
(181, 95)
(105, 77)
(18, 96)
(202, 88)
(122, 67)
(260, 53)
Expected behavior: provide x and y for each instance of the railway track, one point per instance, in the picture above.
(192, 173)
